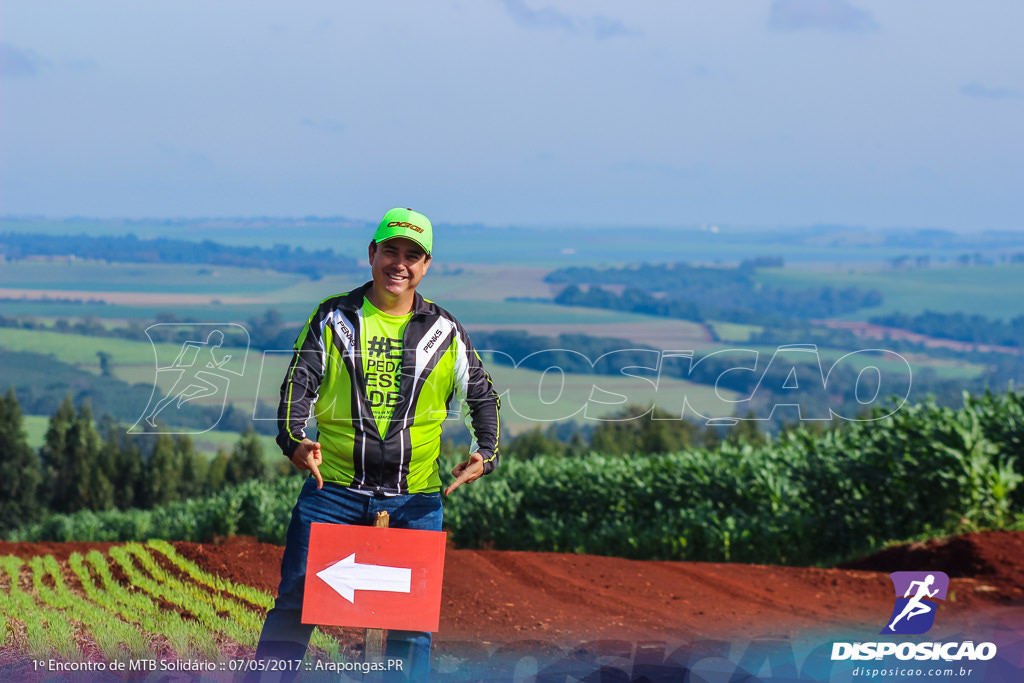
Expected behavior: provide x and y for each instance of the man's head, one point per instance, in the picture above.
(399, 258)
(406, 223)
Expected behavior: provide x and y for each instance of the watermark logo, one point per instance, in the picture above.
(193, 367)
(917, 596)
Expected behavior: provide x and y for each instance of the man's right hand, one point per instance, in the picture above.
(307, 456)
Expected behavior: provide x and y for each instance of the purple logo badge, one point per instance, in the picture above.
(917, 596)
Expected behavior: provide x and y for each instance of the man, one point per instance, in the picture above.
(377, 367)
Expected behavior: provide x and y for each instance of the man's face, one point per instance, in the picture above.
(398, 265)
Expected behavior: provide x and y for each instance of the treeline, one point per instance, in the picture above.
(85, 466)
(130, 249)
(964, 327)
(634, 429)
(681, 290)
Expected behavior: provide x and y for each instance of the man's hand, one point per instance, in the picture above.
(307, 456)
(465, 472)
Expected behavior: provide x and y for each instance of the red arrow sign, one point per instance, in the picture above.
(376, 578)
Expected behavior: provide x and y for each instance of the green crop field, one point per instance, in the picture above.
(734, 332)
(992, 291)
(531, 398)
(525, 313)
(136, 362)
(77, 349)
(887, 362)
(142, 277)
(35, 429)
(136, 602)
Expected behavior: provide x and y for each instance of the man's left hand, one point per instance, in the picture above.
(465, 472)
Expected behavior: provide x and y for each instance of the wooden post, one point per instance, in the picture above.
(374, 651)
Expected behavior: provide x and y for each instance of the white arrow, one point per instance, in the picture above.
(348, 576)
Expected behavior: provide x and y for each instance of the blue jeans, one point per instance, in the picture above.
(284, 636)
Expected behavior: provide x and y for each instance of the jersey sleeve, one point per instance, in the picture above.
(301, 385)
(480, 402)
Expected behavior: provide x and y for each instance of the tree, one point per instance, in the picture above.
(532, 443)
(162, 472)
(747, 431)
(20, 470)
(193, 469)
(55, 454)
(120, 461)
(638, 429)
(216, 475)
(247, 460)
(88, 487)
(105, 363)
(129, 480)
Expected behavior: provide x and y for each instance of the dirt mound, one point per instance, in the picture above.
(995, 556)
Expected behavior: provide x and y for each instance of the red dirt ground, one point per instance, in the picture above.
(504, 598)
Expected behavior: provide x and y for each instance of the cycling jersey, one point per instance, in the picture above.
(326, 380)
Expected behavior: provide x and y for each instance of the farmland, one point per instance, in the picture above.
(132, 602)
(989, 290)
(803, 497)
(528, 392)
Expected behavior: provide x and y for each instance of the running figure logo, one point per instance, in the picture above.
(916, 596)
(201, 371)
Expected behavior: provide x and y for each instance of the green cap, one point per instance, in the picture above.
(406, 223)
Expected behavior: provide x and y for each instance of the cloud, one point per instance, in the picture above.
(985, 92)
(827, 15)
(599, 26)
(326, 125)
(16, 62)
(604, 27)
(546, 17)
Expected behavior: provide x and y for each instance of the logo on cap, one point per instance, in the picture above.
(403, 224)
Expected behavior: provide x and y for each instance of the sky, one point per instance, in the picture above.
(758, 113)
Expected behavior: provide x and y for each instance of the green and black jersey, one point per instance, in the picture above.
(436, 366)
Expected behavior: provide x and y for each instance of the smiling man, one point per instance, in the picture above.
(378, 368)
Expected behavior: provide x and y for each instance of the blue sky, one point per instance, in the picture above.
(885, 113)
